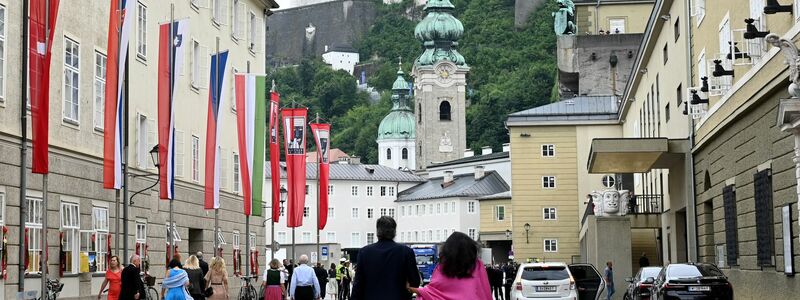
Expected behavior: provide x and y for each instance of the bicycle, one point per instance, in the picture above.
(53, 287)
(247, 291)
(150, 292)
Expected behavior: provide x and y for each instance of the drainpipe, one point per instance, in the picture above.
(692, 200)
(596, 17)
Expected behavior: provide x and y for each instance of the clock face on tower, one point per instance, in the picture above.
(445, 73)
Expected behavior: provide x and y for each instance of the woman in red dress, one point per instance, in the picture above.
(113, 280)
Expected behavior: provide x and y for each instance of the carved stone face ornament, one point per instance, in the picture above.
(611, 202)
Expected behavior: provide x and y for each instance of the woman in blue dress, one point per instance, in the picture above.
(175, 282)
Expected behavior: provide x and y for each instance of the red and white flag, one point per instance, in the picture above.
(294, 134)
(274, 153)
(42, 20)
(119, 28)
(322, 137)
(217, 93)
(168, 42)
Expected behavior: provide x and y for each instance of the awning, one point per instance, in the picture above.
(635, 155)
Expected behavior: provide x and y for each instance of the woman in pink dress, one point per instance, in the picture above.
(459, 275)
(113, 279)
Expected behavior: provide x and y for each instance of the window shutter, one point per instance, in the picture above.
(257, 39)
(764, 235)
(731, 228)
(179, 152)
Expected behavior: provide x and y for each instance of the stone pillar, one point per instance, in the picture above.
(789, 121)
(609, 239)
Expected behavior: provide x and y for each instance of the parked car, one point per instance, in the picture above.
(691, 281)
(639, 287)
(556, 280)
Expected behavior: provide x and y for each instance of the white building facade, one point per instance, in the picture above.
(341, 59)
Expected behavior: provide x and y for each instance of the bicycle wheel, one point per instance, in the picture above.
(251, 292)
(152, 293)
(243, 293)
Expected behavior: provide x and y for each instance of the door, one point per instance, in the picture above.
(588, 281)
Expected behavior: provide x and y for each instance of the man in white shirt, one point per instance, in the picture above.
(304, 285)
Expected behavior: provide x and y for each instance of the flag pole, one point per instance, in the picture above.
(319, 192)
(272, 215)
(170, 233)
(126, 134)
(216, 209)
(247, 215)
(23, 203)
(43, 241)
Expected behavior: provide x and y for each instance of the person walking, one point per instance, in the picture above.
(274, 281)
(644, 261)
(332, 288)
(385, 268)
(322, 278)
(288, 265)
(203, 263)
(217, 279)
(197, 282)
(175, 281)
(497, 282)
(510, 273)
(608, 275)
(347, 278)
(131, 285)
(113, 279)
(459, 275)
(304, 284)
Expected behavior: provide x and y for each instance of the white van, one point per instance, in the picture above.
(556, 280)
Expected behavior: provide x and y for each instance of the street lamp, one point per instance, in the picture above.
(527, 227)
(508, 234)
(155, 158)
(283, 195)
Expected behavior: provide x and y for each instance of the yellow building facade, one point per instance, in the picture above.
(621, 16)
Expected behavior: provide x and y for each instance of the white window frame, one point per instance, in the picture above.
(369, 190)
(281, 237)
(330, 237)
(498, 216)
(550, 213)
(402, 210)
(236, 240)
(305, 237)
(200, 65)
(100, 65)
(4, 21)
(238, 20)
(306, 212)
(253, 241)
(370, 238)
(70, 214)
(550, 245)
(141, 231)
(384, 211)
(180, 152)
(354, 190)
(472, 233)
(438, 208)
(100, 225)
(34, 225)
(699, 11)
(330, 189)
(383, 191)
(370, 213)
(354, 213)
(72, 69)
(254, 37)
(2, 207)
(355, 239)
(195, 165)
(472, 207)
(219, 12)
(548, 150)
(141, 30)
(549, 182)
(391, 212)
(237, 180)
(331, 212)
(391, 191)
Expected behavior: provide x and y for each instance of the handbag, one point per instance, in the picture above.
(208, 292)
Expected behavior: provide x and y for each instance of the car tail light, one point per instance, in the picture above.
(519, 286)
(644, 285)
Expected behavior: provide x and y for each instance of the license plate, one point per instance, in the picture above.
(546, 288)
(699, 288)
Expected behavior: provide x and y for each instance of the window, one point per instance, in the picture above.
(354, 190)
(388, 153)
(731, 227)
(235, 239)
(141, 30)
(100, 62)
(200, 65)
(255, 33)
(444, 208)
(72, 66)
(141, 235)
(665, 54)
(551, 245)
(444, 111)
(391, 191)
(252, 241)
(330, 189)
(281, 237)
(306, 212)
(404, 153)
(383, 191)
(180, 154)
(369, 190)
(549, 213)
(418, 210)
(219, 12)
(764, 221)
(679, 95)
(453, 207)
(370, 237)
(306, 237)
(702, 67)
(355, 239)
(677, 28)
(471, 207)
(616, 25)
(145, 140)
(173, 230)
(500, 213)
(402, 236)
(438, 208)
(330, 237)
(548, 182)
(430, 209)
(548, 150)
(384, 212)
(391, 212)
(34, 225)
(699, 11)
(472, 233)
(195, 158)
(402, 211)
(70, 226)
(199, 3)
(666, 113)
(236, 178)
(330, 212)
(370, 213)
(307, 190)
(354, 214)
(430, 235)
(2, 53)
(100, 226)
(238, 22)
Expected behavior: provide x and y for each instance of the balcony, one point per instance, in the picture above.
(648, 204)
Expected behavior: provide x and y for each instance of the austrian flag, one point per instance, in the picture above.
(251, 119)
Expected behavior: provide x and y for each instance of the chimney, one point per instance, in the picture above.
(479, 172)
(486, 150)
(507, 147)
(448, 177)
(468, 153)
(355, 160)
(344, 160)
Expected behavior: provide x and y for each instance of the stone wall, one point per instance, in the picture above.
(585, 67)
(733, 155)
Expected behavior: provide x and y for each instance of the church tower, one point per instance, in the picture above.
(396, 133)
(440, 80)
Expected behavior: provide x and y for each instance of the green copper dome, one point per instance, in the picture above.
(439, 26)
(438, 32)
(399, 123)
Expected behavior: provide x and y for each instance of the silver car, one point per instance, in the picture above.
(556, 280)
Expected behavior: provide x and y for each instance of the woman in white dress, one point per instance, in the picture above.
(332, 289)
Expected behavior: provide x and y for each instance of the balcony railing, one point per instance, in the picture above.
(637, 205)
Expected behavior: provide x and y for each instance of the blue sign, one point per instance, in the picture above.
(324, 251)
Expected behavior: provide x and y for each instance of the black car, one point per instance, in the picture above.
(691, 281)
(639, 287)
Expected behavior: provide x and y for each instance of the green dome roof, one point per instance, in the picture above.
(439, 26)
(399, 123)
(438, 32)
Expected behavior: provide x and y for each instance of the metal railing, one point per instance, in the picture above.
(637, 205)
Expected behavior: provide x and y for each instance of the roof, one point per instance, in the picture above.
(353, 172)
(464, 185)
(334, 155)
(581, 108)
(474, 158)
(498, 196)
(594, 2)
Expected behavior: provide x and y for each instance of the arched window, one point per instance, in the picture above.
(388, 153)
(405, 153)
(444, 111)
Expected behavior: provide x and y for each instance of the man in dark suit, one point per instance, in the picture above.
(203, 263)
(132, 287)
(385, 267)
(322, 277)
